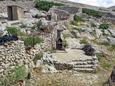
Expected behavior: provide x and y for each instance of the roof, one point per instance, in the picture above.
(15, 6)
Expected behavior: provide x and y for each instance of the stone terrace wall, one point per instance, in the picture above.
(24, 4)
(12, 54)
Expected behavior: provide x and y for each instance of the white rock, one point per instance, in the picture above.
(49, 69)
(73, 43)
(98, 33)
(112, 31)
(39, 63)
(111, 40)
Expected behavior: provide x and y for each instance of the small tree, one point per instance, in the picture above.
(77, 18)
(104, 26)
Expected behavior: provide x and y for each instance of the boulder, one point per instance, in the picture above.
(98, 33)
(48, 69)
(89, 50)
(39, 63)
(35, 12)
(112, 31)
(106, 32)
(28, 22)
(73, 43)
(111, 40)
(48, 64)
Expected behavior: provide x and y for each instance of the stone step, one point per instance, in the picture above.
(82, 63)
(84, 66)
(84, 69)
(83, 60)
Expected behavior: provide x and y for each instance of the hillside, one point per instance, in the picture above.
(56, 43)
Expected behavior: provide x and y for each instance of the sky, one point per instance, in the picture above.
(101, 3)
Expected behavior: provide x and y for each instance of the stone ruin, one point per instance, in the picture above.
(15, 12)
(25, 4)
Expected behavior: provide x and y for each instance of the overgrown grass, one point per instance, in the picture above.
(111, 48)
(19, 73)
(104, 63)
(84, 41)
(15, 31)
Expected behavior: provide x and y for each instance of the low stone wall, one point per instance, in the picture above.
(24, 4)
(12, 54)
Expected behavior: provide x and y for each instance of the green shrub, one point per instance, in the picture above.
(45, 5)
(12, 30)
(92, 12)
(15, 31)
(100, 56)
(104, 26)
(19, 73)
(77, 18)
(30, 41)
(37, 57)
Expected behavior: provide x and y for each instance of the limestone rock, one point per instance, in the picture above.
(112, 31)
(111, 40)
(98, 33)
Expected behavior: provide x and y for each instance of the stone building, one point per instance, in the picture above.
(15, 12)
(58, 14)
(25, 4)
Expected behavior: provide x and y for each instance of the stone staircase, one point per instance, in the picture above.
(85, 65)
(80, 62)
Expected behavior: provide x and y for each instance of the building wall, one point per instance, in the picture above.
(26, 5)
(20, 13)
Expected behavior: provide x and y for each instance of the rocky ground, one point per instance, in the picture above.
(69, 78)
(61, 67)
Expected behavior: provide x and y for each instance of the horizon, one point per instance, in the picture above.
(99, 3)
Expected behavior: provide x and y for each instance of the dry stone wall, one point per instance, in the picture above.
(12, 54)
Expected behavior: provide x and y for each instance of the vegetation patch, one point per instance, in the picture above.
(111, 48)
(37, 57)
(46, 5)
(77, 18)
(15, 31)
(104, 26)
(19, 73)
(104, 63)
(30, 41)
(84, 41)
(92, 12)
